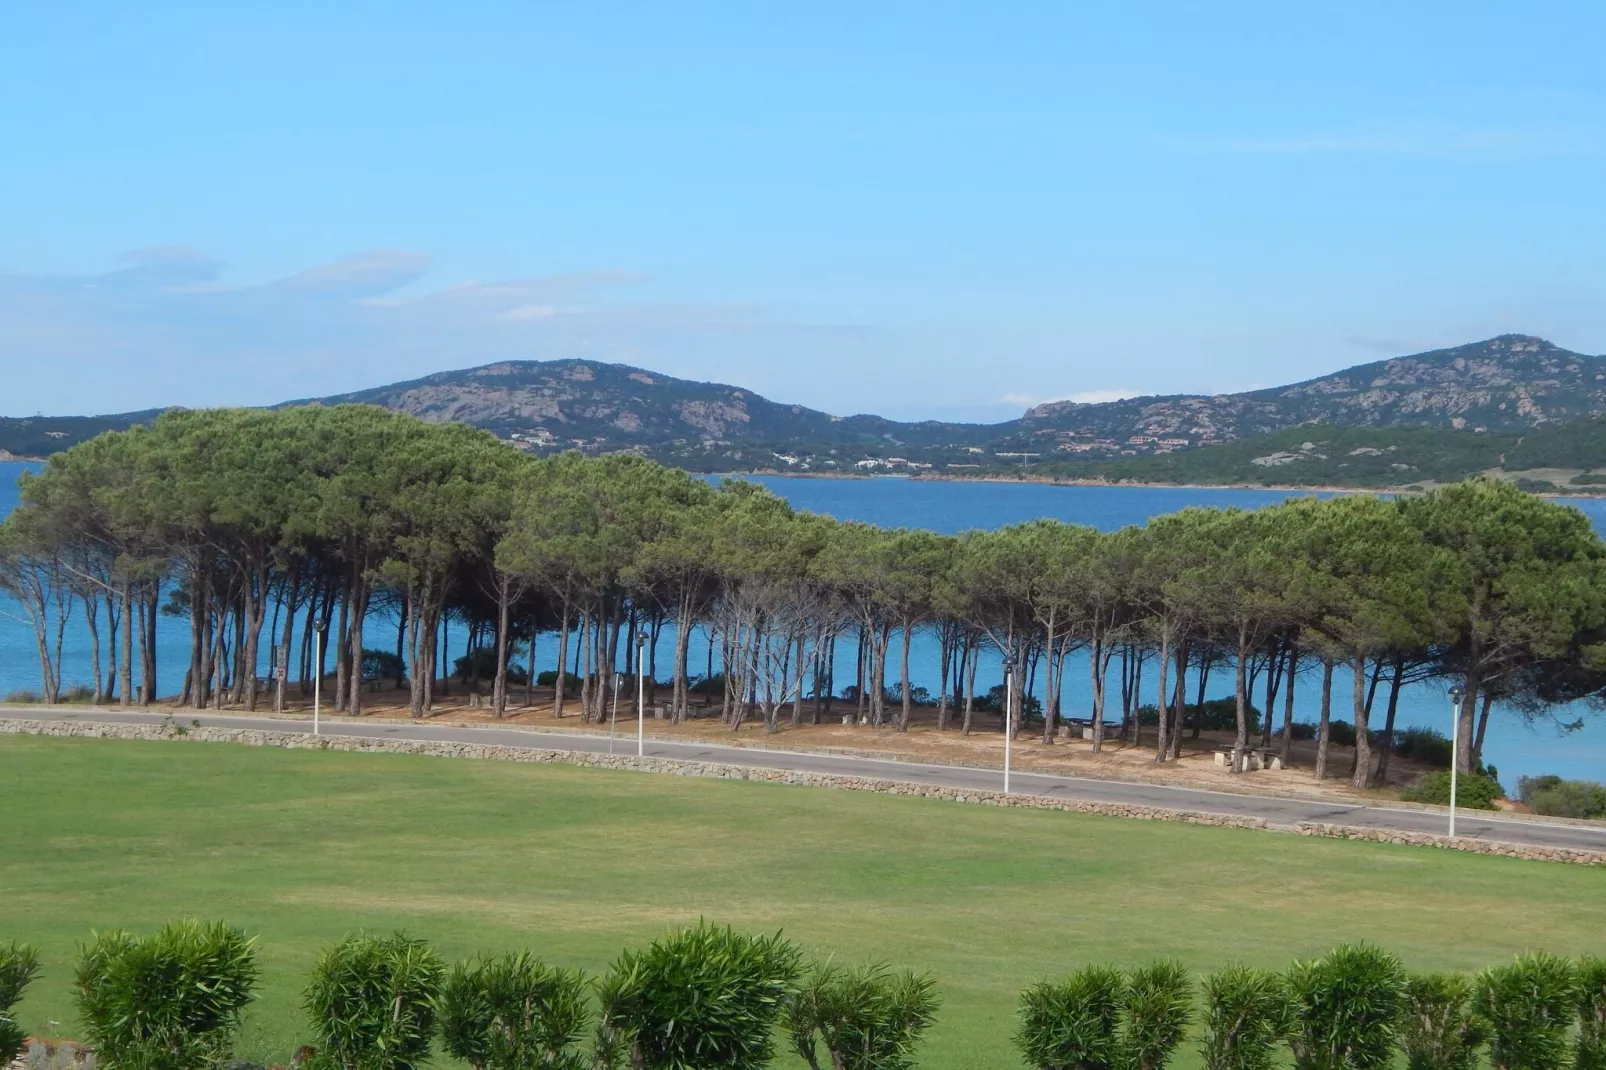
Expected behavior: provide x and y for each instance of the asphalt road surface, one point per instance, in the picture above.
(1276, 811)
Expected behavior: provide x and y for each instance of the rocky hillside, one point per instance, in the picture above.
(1508, 383)
(565, 404)
(1504, 385)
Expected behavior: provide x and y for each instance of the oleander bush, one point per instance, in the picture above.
(701, 997)
(1438, 1030)
(1530, 1005)
(1073, 1024)
(169, 1001)
(511, 1012)
(1343, 1008)
(372, 1003)
(1590, 1049)
(862, 1018)
(1246, 1014)
(1101, 1019)
(19, 965)
(1155, 1011)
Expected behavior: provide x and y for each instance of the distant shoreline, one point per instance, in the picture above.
(1061, 481)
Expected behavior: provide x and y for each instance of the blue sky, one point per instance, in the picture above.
(919, 209)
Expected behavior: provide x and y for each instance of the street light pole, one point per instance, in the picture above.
(1457, 693)
(613, 713)
(317, 672)
(641, 697)
(1009, 715)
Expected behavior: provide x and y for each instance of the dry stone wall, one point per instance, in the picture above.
(1530, 851)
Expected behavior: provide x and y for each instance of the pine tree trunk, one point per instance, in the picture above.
(1324, 726)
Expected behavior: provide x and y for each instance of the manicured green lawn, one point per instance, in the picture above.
(302, 847)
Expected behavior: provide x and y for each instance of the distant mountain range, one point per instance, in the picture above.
(1502, 388)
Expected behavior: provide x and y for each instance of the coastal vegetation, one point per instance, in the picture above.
(483, 860)
(258, 531)
(1332, 455)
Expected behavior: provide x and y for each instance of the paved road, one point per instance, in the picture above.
(1277, 811)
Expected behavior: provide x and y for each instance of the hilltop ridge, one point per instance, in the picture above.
(1504, 385)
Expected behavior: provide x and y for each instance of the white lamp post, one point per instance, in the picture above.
(613, 712)
(1457, 693)
(1009, 715)
(317, 672)
(641, 696)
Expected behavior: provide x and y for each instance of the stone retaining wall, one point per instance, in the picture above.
(1533, 852)
(724, 771)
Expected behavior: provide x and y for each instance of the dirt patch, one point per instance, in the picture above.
(984, 747)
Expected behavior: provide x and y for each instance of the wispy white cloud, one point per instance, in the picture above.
(165, 327)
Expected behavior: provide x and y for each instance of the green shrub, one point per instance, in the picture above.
(1535, 486)
(1554, 797)
(703, 996)
(23, 698)
(1155, 1011)
(480, 664)
(19, 964)
(514, 1013)
(372, 1003)
(1073, 1024)
(1588, 479)
(1246, 1013)
(1341, 733)
(382, 665)
(1590, 1053)
(866, 1018)
(1529, 1005)
(1529, 786)
(1473, 792)
(169, 1001)
(1216, 715)
(1423, 745)
(1437, 1028)
(1343, 1008)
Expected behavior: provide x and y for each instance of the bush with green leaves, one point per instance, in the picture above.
(1343, 1007)
(169, 1001)
(1155, 1011)
(1438, 1030)
(1246, 1014)
(701, 997)
(1073, 1024)
(372, 1003)
(19, 965)
(864, 1018)
(1101, 1019)
(1529, 1005)
(1554, 797)
(512, 1012)
(1591, 1047)
(1472, 792)
(1426, 745)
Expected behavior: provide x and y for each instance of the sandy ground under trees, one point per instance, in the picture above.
(922, 742)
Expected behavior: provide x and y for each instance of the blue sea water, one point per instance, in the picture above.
(1515, 747)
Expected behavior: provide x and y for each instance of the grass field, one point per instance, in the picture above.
(302, 847)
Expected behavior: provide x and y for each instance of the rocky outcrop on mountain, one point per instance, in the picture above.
(1505, 383)
(1509, 384)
